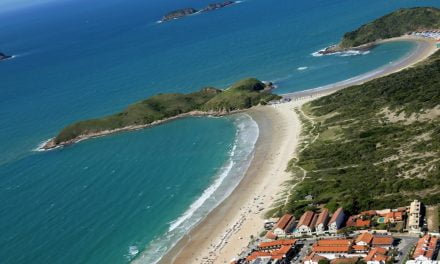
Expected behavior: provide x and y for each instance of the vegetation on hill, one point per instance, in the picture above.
(375, 145)
(394, 24)
(242, 95)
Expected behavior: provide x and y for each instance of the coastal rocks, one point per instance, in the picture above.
(4, 56)
(180, 13)
(338, 49)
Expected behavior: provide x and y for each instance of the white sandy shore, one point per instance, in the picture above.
(223, 234)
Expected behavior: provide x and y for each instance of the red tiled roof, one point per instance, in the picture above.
(332, 245)
(336, 215)
(331, 249)
(362, 223)
(364, 237)
(344, 260)
(398, 216)
(271, 235)
(277, 243)
(334, 242)
(314, 257)
(383, 240)
(323, 216)
(360, 248)
(350, 222)
(369, 212)
(377, 254)
(284, 221)
(306, 219)
(426, 247)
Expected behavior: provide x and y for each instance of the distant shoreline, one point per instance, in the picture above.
(272, 151)
(425, 47)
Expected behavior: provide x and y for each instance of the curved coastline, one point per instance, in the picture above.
(425, 47)
(273, 144)
(225, 181)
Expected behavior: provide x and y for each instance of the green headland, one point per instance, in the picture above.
(208, 101)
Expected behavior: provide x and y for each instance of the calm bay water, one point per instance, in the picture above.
(105, 199)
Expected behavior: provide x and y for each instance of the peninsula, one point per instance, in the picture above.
(398, 23)
(4, 56)
(180, 13)
(164, 107)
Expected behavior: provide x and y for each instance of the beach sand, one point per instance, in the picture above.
(226, 231)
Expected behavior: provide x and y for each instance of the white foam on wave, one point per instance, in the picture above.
(341, 53)
(303, 68)
(228, 177)
(40, 146)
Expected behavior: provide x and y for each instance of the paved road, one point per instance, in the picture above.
(303, 252)
(404, 246)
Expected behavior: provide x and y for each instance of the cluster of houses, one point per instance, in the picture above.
(309, 224)
(369, 247)
(284, 238)
(278, 251)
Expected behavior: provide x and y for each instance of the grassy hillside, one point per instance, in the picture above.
(244, 94)
(395, 24)
(375, 145)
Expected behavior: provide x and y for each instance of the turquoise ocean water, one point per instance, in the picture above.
(107, 200)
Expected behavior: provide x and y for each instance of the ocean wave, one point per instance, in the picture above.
(228, 177)
(302, 68)
(340, 53)
(40, 146)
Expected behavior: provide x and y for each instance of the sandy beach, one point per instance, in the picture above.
(226, 231)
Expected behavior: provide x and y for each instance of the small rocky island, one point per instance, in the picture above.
(180, 13)
(4, 56)
(165, 107)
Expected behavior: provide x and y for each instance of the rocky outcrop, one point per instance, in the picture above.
(178, 14)
(336, 48)
(215, 6)
(4, 56)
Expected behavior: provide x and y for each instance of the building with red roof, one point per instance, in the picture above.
(337, 220)
(306, 224)
(364, 239)
(284, 225)
(313, 258)
(426, 248)
(362, 223)
(377, 255)
(322, 222)
(382, 241)
(333, 246)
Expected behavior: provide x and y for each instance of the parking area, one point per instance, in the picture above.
(405, 244)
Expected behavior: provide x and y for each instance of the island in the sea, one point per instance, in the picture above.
(4, 56)
(180, 13)
(165, 107)
(398, 23)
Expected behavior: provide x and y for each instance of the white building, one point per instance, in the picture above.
(322, 222)
(336, 221)
(306, 224)
(414, 217)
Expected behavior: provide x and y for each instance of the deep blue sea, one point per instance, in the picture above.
(110, 199)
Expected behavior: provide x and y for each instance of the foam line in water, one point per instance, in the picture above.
(228, 177)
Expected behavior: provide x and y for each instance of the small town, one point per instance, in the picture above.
(399, 235)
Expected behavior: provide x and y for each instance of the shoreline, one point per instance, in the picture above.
(240, 214)
(425, 48)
